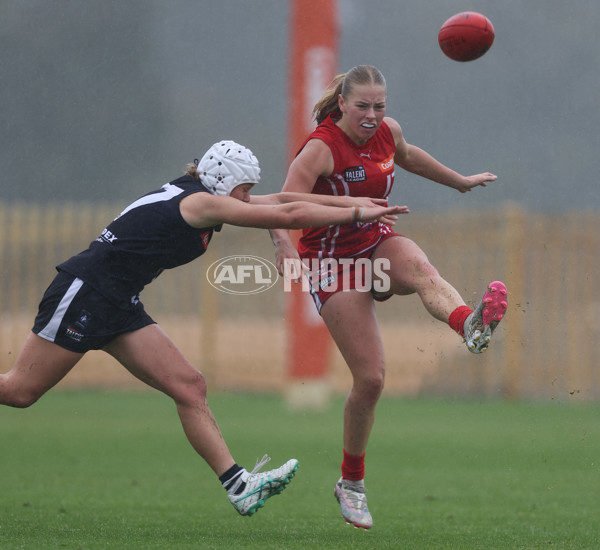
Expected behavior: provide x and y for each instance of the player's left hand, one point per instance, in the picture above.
(477, 180)
(387, 214)
(392, 219)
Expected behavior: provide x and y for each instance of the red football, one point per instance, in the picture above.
(466, 36)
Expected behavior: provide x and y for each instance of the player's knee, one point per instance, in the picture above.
(371, 385)
(426, 271)
(22, 401)
(375, 387)
(17, 398)
(191, 389)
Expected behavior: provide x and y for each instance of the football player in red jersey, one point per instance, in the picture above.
(352, 152)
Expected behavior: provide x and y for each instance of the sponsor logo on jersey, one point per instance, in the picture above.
(242, 274)
(387, 164)
(107, 237)
(355, 173)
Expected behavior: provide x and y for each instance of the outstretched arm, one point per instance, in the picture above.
(416, 160)
(204, 210)
(342, 201)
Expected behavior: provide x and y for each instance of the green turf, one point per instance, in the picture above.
(96, 470)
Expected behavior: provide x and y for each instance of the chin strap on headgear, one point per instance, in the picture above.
(226, 165)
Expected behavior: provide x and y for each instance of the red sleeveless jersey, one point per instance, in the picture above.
(359, 171)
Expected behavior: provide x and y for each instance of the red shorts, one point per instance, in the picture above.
(329, 276)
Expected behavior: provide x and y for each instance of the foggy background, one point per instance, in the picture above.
(104, 101)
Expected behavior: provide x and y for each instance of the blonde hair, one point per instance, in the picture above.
(344, 84)
(192, 170)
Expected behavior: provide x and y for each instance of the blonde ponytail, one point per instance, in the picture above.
(343, 84)
(192, 170)
(329, 102)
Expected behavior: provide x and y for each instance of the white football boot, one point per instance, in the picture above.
(262, 486)
(353, 503)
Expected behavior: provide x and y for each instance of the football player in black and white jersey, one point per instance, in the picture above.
(93, 302)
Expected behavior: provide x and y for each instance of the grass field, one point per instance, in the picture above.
(113, 470)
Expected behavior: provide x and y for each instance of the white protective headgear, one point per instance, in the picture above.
(226, 165)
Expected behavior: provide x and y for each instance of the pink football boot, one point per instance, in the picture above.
(480, 325)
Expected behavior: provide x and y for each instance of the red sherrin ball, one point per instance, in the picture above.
(466, 36)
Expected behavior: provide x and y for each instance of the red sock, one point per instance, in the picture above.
(458, 317)
(353, 467)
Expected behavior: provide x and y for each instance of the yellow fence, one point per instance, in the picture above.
(546, 348)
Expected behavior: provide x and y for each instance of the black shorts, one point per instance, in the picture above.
(76, 317)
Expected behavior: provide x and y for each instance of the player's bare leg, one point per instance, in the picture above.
(410, 272)
(153, 358)
(350, 318)
(150, 355)
(39, 366)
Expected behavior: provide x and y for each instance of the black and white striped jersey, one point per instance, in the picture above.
(149, 236)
